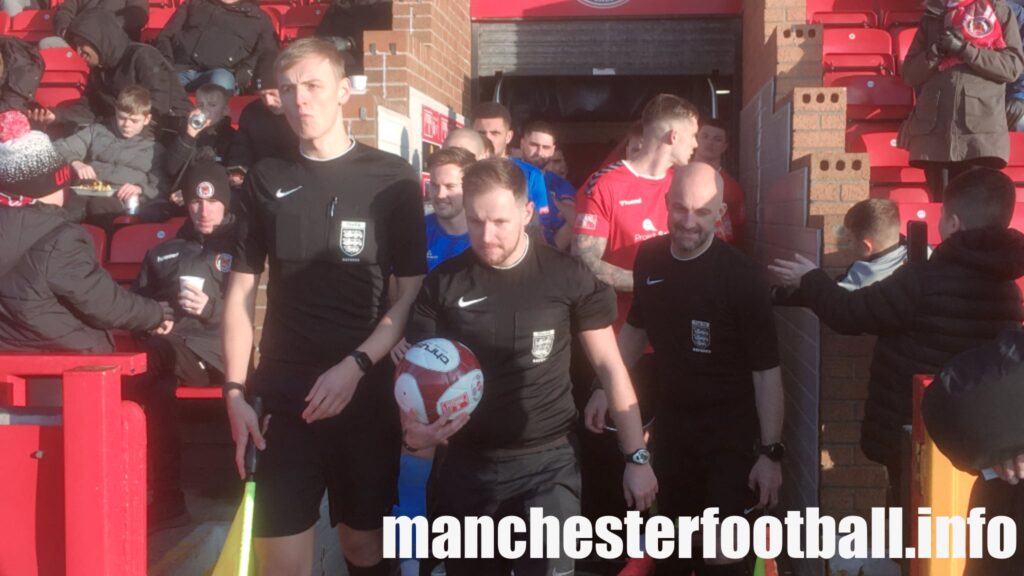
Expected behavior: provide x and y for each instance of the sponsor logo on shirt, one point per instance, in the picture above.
(586, 221)
(650, 231)
(165, 257)
(631, 202)
(543, 342)
(353, 237)
(649, 226)
(223, 263)
(700, 334)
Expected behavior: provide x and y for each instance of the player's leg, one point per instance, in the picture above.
(285, 555)
(727, 489)
(551, 482)
(467, 485)
(680, 493)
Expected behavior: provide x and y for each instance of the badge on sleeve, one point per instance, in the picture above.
(223, 262)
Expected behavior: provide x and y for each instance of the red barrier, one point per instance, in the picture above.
(103, 473)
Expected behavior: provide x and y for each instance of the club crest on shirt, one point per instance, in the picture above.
(543, 342)
(586, 221)
(353, 237)
(223, 263)
(700, 334)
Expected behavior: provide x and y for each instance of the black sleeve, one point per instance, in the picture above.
(593, 303)
(144, 285)
(251, 246)
(424, 313)
(240, 152)
(635, 316)
(152, 75)
(74, 276)
(64, 14)
(884, 307)
(758, 339)
(407, 230)
(178, 153)
(135, 15)
(266, 46)
(163, 41)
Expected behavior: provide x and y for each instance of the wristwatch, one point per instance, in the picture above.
(362, 360)
(641, 456)
(775, 452)
(229, 386)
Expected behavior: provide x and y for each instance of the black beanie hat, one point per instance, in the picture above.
(207, 180)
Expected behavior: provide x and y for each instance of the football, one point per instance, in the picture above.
(438, 378)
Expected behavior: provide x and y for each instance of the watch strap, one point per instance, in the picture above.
(362, 360)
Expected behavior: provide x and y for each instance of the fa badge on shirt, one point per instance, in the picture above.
(353, 237)
(700, 334)
(543, 342)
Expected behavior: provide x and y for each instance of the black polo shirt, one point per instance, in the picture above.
(332, 231)
(519, 323)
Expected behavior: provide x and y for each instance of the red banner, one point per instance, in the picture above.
(436, 125)
(528, 9)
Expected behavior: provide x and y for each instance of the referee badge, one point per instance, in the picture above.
(543, 342)
(223, 262)
(700, 334)
(353, 237)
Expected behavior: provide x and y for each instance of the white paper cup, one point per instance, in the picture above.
(358, 83)
(195, 281)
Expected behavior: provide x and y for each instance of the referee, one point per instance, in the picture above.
(517, 303)
(333, 224)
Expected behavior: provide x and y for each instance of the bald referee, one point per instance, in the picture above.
(517, 303)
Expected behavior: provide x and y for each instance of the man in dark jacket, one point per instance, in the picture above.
(53, 294)
(131, 15)
(263, 130)
(21, 68)
(190, 271)
(218, 41)
(116, 63)
(926, 313)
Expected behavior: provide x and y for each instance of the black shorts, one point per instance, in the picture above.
(689, 483)
(469, 484)
(354, 456)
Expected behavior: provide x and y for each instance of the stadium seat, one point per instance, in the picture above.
(301, 21)
(128, 246)
(876, 97)
(32, 25)
(856, 50)
(842, 13)
(897, 13)
(158, 18)
(236, 105)
(99, 241)
(1017, 221)
(63, 67)
(928, 212)
(1015, 164)
(889, 164)
(902, 38)
(5, 23)
(52, 96)
(902, 194)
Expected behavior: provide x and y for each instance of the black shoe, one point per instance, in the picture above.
(165, 513)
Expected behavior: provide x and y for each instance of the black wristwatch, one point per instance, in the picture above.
(641, 456)
(229, 386)
(775, 452)
(362, 360)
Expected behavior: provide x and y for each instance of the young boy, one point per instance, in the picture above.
(211, 141)
(123, 154)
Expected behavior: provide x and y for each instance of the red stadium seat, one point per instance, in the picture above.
(128, 246)
(928, 212)
(99, 241)
(274, 12)
(876, 97)
(1015, 164)
(63, 67)
(301, 21)
(846, 50)
(1017, 221)
(842, 13)
(902, 38)
(32, 25)
(902, 194)
(897, 13)
(52, 96)
(158, 18)
(889, 164)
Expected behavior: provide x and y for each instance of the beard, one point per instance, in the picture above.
(690, 239)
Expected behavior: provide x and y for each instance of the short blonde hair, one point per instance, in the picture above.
(134, 100)
(304, 48)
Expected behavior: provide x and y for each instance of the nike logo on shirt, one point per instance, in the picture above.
(652, 281)
(281, 194)
(463, 302)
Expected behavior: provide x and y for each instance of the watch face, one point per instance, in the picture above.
(641, 456)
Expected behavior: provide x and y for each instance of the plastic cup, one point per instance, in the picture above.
(195, 281)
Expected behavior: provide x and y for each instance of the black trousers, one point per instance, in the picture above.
(170, 362)
(939, 174)
(999, 499)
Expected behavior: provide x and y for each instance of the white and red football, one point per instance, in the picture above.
(438, 378)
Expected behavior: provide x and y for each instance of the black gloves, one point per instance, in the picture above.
(951, 43)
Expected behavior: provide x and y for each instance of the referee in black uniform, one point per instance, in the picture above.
(333, 224)
(517, 303)
(705, 309)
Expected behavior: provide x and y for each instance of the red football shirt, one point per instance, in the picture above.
(732, 225)
(626, 208)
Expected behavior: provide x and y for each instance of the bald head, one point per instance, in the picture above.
(695, 206)
(467, 139)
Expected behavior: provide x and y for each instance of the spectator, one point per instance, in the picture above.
(873, 239)
(191, 353)
(14, 7)
(217, 41)
(712, 142)
(21, 68)
(468, 139)
(538, 143)
(263, 130)
(53, 293)
(122, 153)
(131, 15)
(538, 146)
(629, 147)
(115, 63)
(925, 313)
(959, 75)
(493, 121)
(558, 165)
(212, 140)
(447, 232)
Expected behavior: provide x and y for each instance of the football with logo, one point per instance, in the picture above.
(438, 378)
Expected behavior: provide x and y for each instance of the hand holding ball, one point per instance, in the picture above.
(438, 378)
